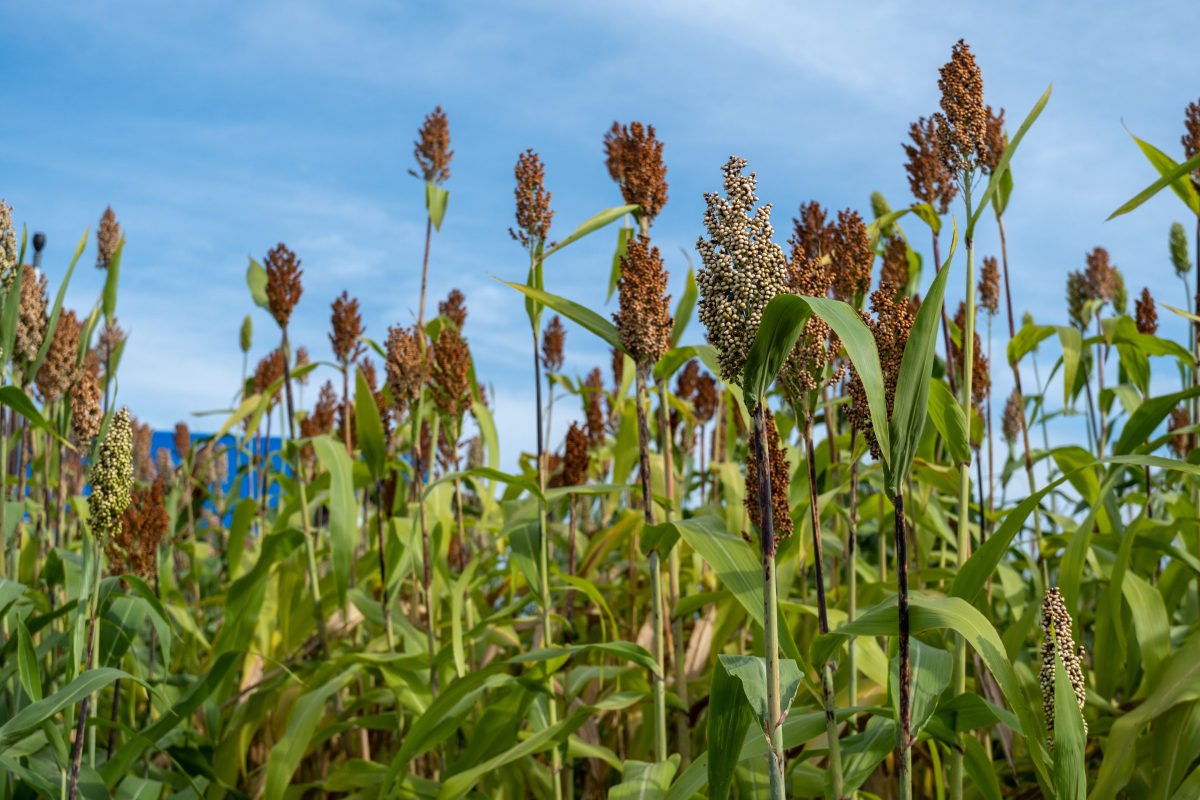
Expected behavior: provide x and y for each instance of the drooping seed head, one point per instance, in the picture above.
(432, 148)
(742, 270)
(283, 282)
(346, 322)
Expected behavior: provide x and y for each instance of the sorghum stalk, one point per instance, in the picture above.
(905, 721)
(383, 579)
(656, 620)
(774, 728)
(683, 736)
(827, 690)
(852, 574)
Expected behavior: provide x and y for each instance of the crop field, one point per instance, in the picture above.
(790, 546)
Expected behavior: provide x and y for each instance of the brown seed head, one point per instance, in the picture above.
(553, 339)
(283, 282)
(1077, 297)
(143, 459)
(368, 370)
(348, 329)
(1013, 413)
(9, 254)
(618, 368)
(449, 375)
(432, 148)
(269, 370)
(852, 257)
(817, 345)
(895, 262)
(891, 326)
(644, 321)
(688, 380)
(57, 372)
(1101, 275)
(183, 440)
(962, 123)
(321, 419)
(1191, 139)
(108, 341)
(811, 237)
(533, 202)
(31, 316)
(981, 382)
(705, 404)
(743, 268)
(576, 459)
(454, 307)
(1056, 637)
(108, 236)
(134, 548)
(1147, 314)
(403, 366)
(928, 179)
(994, 142)
(633, 156)
(1181, 443)
(781, 510)
(86, 415)
(301, 361)
(592, 408)
(989, 285)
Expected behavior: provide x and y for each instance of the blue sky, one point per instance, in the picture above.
(218, 129)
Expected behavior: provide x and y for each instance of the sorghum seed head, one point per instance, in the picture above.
(633, 156)
(31, 316)
(575, 459)
(108, 236)
(348, 329)
(962, 123)
(454, 307)
(432, 148)
(1056, 638)
(928, 178)
(1013, 417)
(112, 476)
(283, 282)
(57, 371)
(1147, 314)
(553, 339)
(781, 510)
(533, 202)
(644, 319)
(989, 285)
(895, 262)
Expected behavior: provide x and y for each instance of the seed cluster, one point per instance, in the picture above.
(1191, 139)
(32, 319)
(133, 549)
(592, 410)
(533, 202)
(811, 237)
(553, 339)
(1147, 314)
(108, 237)
(183, 440)
(817, 345)
(348, 329)
(403, 365)
(1056, 636)
(269, 370)
(644, 320)
(9, 254)
(890, 328)
(993, 140)
(1013, 413)
(108, 341)
(283, 282)
(321, 419)
(895, 262)
(454, 307)
(928, 178)
(1101, 276)
(575, 457)
(1180, 443)
(58, 370)
(449, 374)
(962, 123)
(432, 148)
(742, 270)
(989, 285)
(1077, 297)
(301, 361)
(112, 476)
(981, 381)
(704, 407)
(781, 510)
(852, 257)
(86, 414)
(633, 155)
(143, 459)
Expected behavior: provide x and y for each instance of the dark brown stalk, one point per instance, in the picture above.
(831, 432)
(901, 545)
(77, 755)
(116, 707)
(937, 266)
(387, 606)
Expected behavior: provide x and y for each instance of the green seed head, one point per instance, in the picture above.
(112, 476)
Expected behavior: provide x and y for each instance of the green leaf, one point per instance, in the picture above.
(672, 360)
(752, 672)
(624, 234)
(1181, 185)
(576, 313)
(1027, 339)
(1149, 415)
(683, 311)
(947, 416)
(659, 537)
(110, 283)
(18, 401)
(1070, 767)
(461, 586)
(243, 514)
(1003, 192)
(1181, 171)
(244, 599)
(158, 615)
(862, 753)
(979, 769)
(435, 201)
(248, 405)
(370, 428)
(496, 475)
(1002, 164)
(930, 670)
(912, 385)
(729, 715)
(594, 223)
(27, 663)
(256, 280)
(645, 781)
(343, 510)
(33, 715)
(623, 650)
(929, 216)
(1072, 347)
(307, 713)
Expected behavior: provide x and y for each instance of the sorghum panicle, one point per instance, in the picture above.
(403, 365)
(454, 308)
(533, 201)
(108, 236)
(890, 328)
(962, 123)
(1147, 314)
(895, 262)
(928, 178)
(432, 148)
(348, 328)
(112, 476)
(644, 319)
(183, 440)
(989, 285)
(633, 156)
(781, 511)
(553, 339)
(1191, 138)
(592, 407)
(994, 141)
(449, 374)
(283, 282)
(86, 414)
(575, 459)
(1013, 412)
(1056, 636)
(852, 257)
(57, 371)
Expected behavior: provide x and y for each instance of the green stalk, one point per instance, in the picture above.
(683, 736)
(656, 620)
(774, 728)
(964, 483)
(852, 575)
